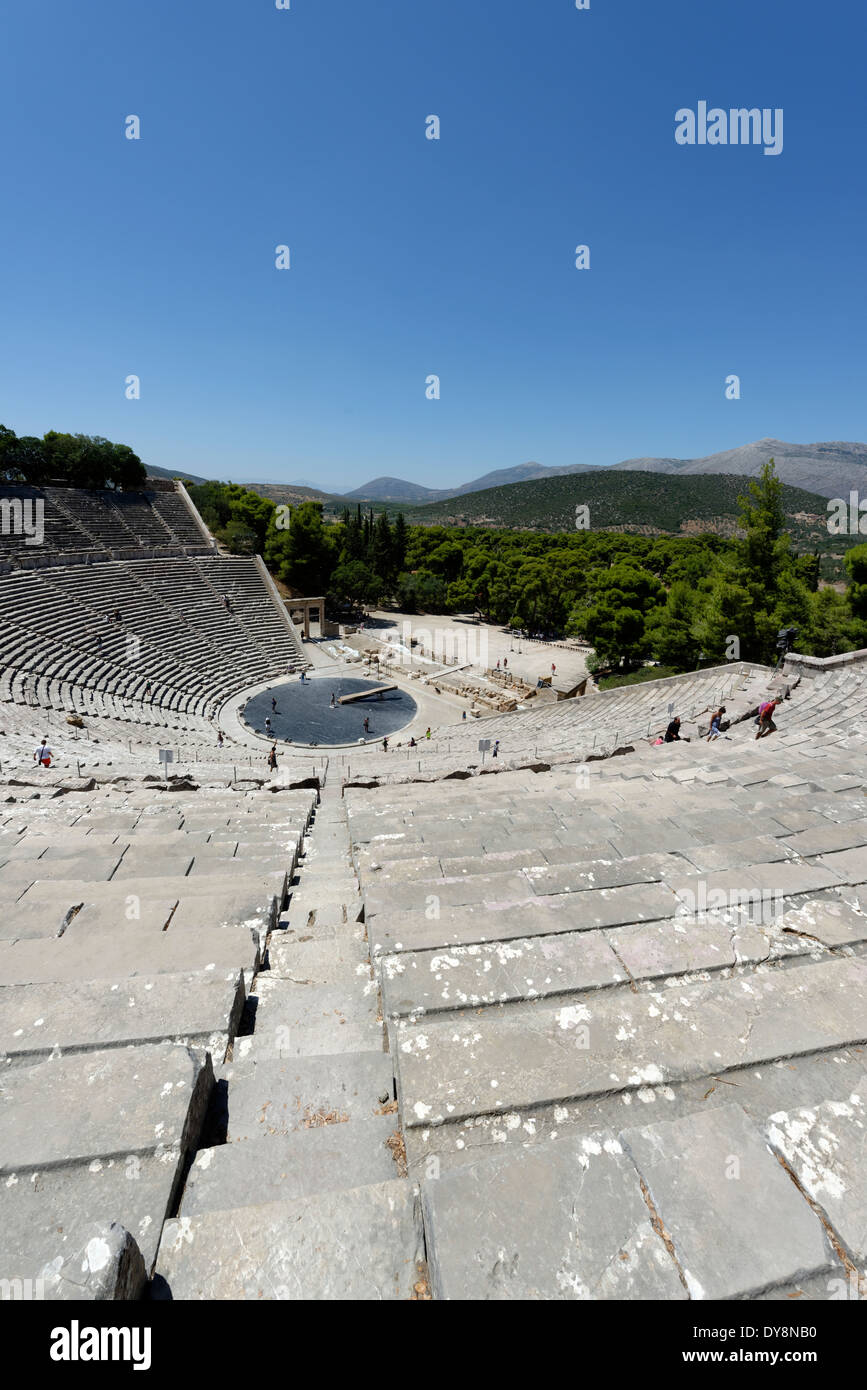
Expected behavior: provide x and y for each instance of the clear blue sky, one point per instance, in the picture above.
(412, 257)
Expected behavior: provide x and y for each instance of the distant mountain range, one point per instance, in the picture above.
(398, 490)
(831, 469)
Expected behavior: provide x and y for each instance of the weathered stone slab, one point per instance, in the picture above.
(469, 1064)
(825, 922)
(339, 959)
(48, 1217)
(361, 1244)
(77, 1109)
(482, 888)
(313, 1020)
(277, 1097)
(465, 976)
(829, 838)
(566, 1221)
(714, 1186)
(761, 1091)
(826, 1148)
(437, 926)
(849, 865)
(651, 951)
(601, 873)
(140, 861)
(108, 1267)
(759, 849)
(285, 1166)
(199, 1010)
(130, 950)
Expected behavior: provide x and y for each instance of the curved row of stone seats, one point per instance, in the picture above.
(132, 927)
(76, 521)
(19, 510)
(174, 630)
(127, 520)
(594, 997)
(568, 730)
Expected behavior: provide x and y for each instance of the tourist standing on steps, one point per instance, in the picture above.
(715, 722)
(219, 738)
(272, 758)
(496, 748)
(385, 745)
(427, 733)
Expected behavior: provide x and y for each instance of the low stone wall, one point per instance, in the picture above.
(797, 665)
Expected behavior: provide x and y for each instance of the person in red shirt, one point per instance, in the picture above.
(766, 718)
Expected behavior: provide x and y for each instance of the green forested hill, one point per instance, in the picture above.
(653, 503)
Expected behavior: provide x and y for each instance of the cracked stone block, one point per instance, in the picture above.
(737, 1224)
(825, 1146)
(108, 1266)
(566, 1221)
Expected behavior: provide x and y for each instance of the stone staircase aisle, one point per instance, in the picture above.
(304, 1193)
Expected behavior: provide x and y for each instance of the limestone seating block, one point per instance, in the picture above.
(49, 1217)
(128, 951)
(95, 1105)
(460, 1065)
(466, 976)
(201, 1010)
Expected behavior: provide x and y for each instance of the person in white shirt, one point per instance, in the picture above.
(42, 755)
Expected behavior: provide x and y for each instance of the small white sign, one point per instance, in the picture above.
(166, 755)
(484, 745)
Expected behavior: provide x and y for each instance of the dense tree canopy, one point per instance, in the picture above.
(676, 600)
(72, 460)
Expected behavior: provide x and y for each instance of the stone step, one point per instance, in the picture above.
(364, 1243)
(200, 1010)
(342, 960)
(103, 1104)
(116, 951)
(824, 1147)
(277, 1097)
(435, 924)
(295, 1020)
(286, 1166)
(460, 1065)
